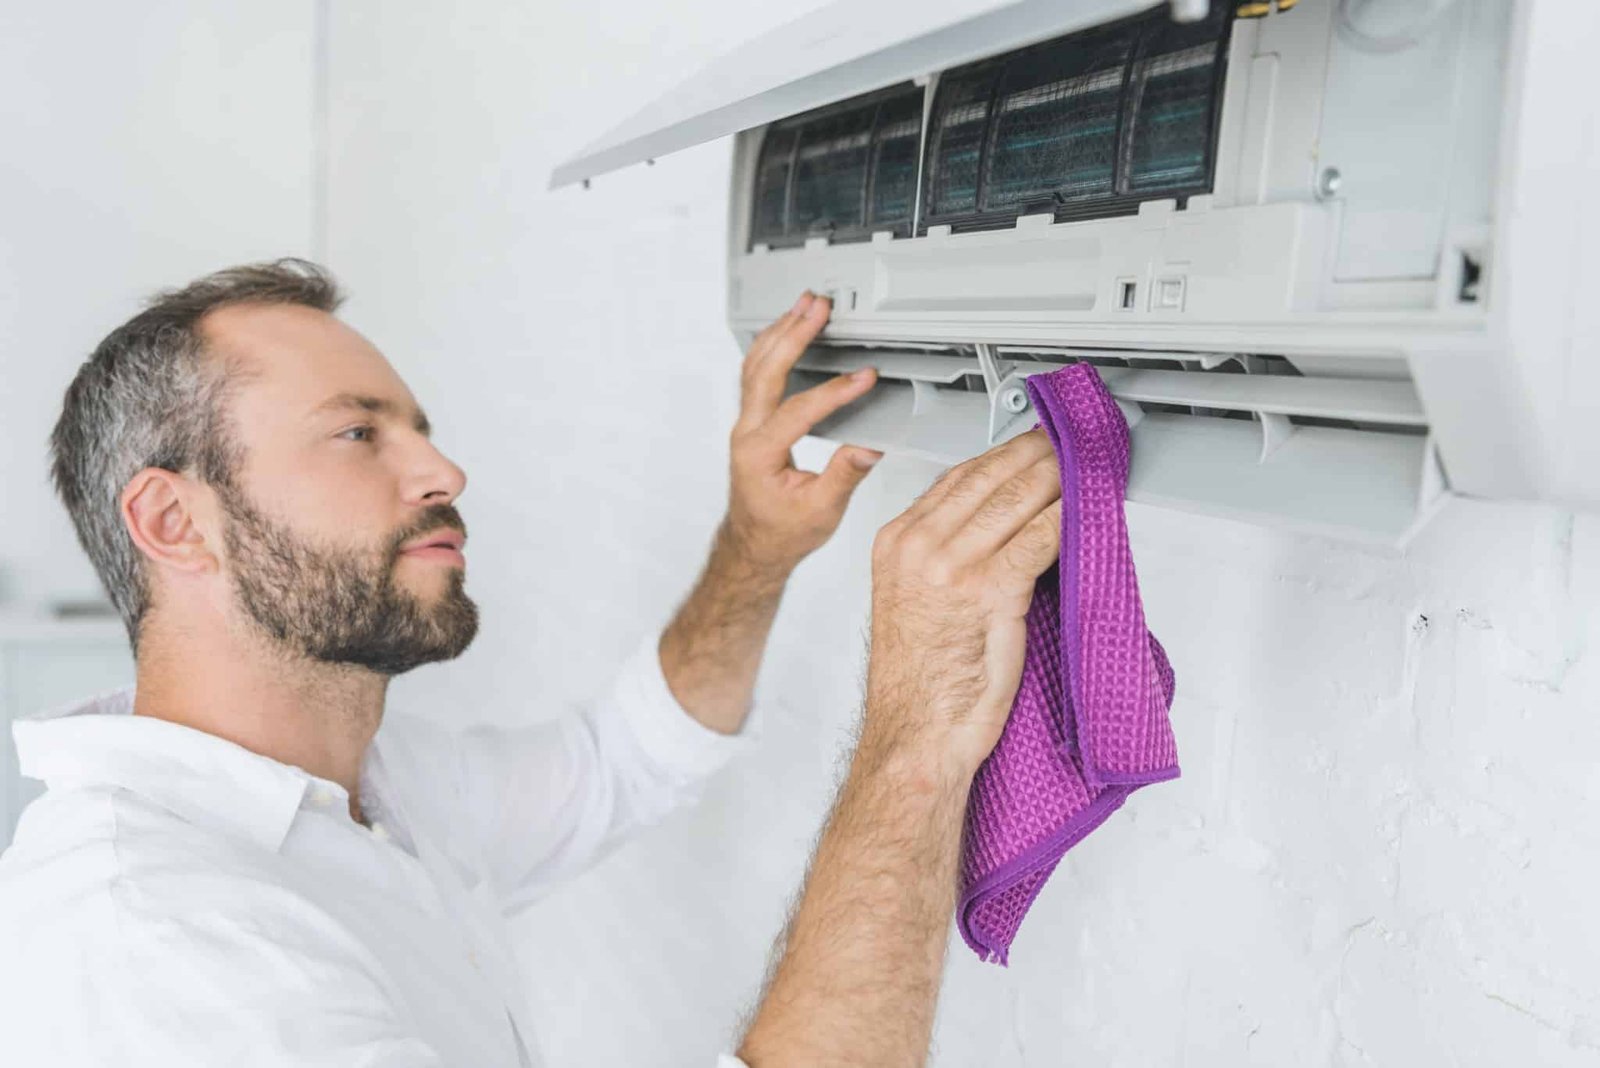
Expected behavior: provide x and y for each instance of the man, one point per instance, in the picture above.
(239, 861)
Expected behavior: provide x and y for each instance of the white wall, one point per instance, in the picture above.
(140, 145)
(1382, 846)
(1384, 843)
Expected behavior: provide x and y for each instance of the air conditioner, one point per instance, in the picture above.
(1329, 255)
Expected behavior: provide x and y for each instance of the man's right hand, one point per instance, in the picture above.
(952, 580)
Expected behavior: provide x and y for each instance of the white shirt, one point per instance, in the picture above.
(175, 899)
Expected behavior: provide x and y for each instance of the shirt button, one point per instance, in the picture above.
(380, 832)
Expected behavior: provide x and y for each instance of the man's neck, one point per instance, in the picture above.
(315, 716)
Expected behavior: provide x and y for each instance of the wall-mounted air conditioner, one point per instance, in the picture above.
(1329, 255)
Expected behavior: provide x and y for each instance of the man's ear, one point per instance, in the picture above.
(159, 510)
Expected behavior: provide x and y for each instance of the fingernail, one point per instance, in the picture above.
(866, 461)
(863, 375)
(799, 305)
(819, 306)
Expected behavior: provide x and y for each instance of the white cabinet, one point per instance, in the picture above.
(45, 665)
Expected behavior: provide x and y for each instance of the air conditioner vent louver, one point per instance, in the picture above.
(1236, 433)
(1239, 384)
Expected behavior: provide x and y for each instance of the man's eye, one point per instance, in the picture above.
(366, 430)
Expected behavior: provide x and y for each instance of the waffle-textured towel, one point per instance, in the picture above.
(1089, 724)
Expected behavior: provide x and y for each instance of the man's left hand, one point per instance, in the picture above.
(778, 514)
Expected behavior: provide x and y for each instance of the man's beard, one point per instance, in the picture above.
(342, 606)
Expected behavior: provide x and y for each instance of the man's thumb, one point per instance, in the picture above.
(847, 467)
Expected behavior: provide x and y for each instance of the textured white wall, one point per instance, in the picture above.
(140, 145)
(1383, 846)
(1382, 849)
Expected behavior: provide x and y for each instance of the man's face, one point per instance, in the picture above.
(338, 478)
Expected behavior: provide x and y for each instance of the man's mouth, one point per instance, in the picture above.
(442, 546)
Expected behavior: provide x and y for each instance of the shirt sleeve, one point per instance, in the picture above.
(549, 800)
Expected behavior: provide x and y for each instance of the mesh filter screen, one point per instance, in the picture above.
(894, 147)
(961, 120)
(841, 171)
(1172, 97)
(1056, 128)
(772, 183)
(1088, 124)
(830, 173)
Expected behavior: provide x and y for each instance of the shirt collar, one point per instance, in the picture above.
(205, 779)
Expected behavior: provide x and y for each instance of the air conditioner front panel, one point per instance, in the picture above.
(843, 50)
(1240, 265)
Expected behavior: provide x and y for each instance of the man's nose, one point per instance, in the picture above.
(436, 480)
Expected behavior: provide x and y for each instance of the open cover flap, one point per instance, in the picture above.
(846, 48)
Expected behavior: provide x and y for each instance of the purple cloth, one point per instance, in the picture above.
(1089, 724)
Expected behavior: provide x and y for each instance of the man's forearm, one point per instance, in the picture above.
(712, 649)
(862, 958)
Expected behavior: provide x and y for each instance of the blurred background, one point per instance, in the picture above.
(1384, 843)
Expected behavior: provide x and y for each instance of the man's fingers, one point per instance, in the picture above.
(1008, 509)
(1032, 550)
(846, 468)
(955, 498)
(758, 347)
(796, 416)
(754, 357)
(766, 373)
(803, 322)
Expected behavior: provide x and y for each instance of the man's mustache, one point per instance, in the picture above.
(435, 517)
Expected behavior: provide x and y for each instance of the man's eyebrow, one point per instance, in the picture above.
(377, 406)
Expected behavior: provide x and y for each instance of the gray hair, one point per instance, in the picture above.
(147, 397)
